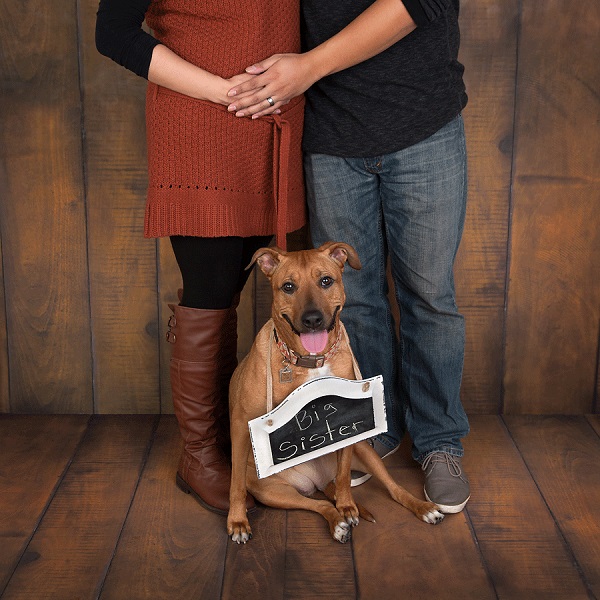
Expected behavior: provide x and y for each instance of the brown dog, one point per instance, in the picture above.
(308, 296)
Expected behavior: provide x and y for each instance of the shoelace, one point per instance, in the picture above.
(443, 457)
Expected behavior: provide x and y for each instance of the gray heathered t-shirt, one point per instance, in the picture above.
(393, 100)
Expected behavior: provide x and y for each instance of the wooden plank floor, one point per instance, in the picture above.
(89, 509)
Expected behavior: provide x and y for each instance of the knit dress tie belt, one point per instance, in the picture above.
(180, 213)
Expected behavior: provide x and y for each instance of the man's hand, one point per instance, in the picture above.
(280, 77)
(222, 92)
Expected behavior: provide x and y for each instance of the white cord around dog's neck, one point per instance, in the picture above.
(357, 373)
(269, 373)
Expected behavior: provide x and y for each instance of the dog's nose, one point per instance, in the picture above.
(312, 319)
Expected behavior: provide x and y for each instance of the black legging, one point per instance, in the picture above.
(214, 269)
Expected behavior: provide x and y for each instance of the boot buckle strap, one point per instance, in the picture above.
(171, 337)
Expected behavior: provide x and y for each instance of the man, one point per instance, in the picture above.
(385, 168)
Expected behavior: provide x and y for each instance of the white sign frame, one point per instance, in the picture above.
(263, 426)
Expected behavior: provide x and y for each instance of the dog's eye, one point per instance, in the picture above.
(288, 287)
(326, 281)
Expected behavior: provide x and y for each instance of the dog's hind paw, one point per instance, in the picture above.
(342, 532)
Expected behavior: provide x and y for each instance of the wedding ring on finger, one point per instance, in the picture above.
(271, 101)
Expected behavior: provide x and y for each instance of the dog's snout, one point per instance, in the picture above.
(312, 319)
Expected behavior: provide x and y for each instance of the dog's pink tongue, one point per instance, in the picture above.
(315, 342)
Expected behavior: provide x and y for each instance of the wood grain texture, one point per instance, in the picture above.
(563, 454)
(71, 124)
(524, 552)
(554, 291)
(596, 406)
(594, 421)
(488, 51)
(256, 570)
(4, 381)
(98, 528)
(402, 557)
(481, 389)
(42, 213)
(83, 522)
(122, 263)
(171, 547)
(34, 453)
(316, 565)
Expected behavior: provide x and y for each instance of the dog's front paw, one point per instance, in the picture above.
(239, 531)
(430, 513)
(349, 513)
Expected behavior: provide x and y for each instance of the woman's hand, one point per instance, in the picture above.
(280, 78)
(224, 85)
(173, 72)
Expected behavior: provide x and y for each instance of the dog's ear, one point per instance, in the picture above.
(268, 260)
(341, 252)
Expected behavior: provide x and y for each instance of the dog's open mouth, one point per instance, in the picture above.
(314, 342)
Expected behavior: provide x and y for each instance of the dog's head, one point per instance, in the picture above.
(308, 293)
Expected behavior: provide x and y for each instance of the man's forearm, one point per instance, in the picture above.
(380, 26)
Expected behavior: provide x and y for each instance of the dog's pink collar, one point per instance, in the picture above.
(309, 361)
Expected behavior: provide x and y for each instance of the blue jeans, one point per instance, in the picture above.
(408, 206)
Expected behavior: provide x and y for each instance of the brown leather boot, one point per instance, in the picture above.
(227, 363)
(199, 403)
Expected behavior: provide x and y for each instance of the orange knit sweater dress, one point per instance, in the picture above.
(213, 174)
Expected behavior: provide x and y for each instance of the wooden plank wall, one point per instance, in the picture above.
(554, 289)
(83, 297)
(488, 50)
(43, 222)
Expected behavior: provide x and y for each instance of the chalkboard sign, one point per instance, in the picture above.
(321, 416)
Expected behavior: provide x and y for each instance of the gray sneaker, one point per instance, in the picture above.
(358, 477)
(445, 482)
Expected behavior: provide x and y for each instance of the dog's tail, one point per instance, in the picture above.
(363, 513)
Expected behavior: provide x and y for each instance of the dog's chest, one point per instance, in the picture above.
(323, 371)
(292, 377)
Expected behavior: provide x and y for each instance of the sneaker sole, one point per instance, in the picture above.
(360, 480)
(449, 509)
(392, 451)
